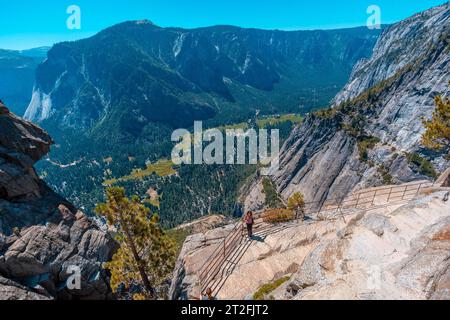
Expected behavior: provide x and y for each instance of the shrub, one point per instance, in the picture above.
(268, 288)
(325, 113)
(423, 165)
(437, 135)
(385, 175)
(278, 216)
(296, 203)
(365, 144)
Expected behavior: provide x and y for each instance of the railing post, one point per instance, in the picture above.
(389, 197)
(357, 201)
(321, 206)
(418, 189)
(404, 192)
(374, 195)
(341, 203)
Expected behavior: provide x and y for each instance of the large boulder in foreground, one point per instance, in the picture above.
(42, 236)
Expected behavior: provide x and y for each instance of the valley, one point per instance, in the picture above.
(85, 96)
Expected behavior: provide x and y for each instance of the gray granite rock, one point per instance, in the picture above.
(41, 234)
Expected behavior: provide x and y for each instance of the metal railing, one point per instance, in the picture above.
(364, 200)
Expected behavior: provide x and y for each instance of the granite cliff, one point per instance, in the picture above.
(41, 234)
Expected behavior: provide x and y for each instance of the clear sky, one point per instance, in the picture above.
(31, 23)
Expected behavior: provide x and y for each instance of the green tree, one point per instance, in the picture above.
(297, 203)
(437, 134)
(146, 255)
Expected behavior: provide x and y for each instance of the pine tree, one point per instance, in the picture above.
(297, 203)
(146, 255)
(437, 134)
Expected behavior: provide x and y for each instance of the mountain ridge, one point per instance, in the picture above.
(121, 93)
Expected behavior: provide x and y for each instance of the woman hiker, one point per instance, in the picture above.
(249, 221)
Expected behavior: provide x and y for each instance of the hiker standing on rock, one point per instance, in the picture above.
(249, 221)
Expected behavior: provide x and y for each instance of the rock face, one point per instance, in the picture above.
(17, 70)
(397, 47)
(196, 250)
(41, 234)
(10, 290)
(328, 155)
(395, 252)
(203, 224)
(444, 179)
(392, 255)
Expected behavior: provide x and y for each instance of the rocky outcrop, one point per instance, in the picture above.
(399, 251)
(10, 290)
(196, 250)
(402, 254)
(42, 236)
(204, 224)
(329, 155)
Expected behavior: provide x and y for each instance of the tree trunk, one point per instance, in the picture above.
(141, 267)
(148, 286)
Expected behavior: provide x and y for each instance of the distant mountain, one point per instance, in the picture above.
(119, 95)
(139, 73)
(372, 135)
(39, 52)
(17, 76)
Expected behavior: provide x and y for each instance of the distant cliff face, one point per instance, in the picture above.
(41, 234)
(17, 76)
(372, 135)
(399, 45)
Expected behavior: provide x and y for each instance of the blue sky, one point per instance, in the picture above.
(31, 23)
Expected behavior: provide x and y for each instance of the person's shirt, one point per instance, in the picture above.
(249, 220)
